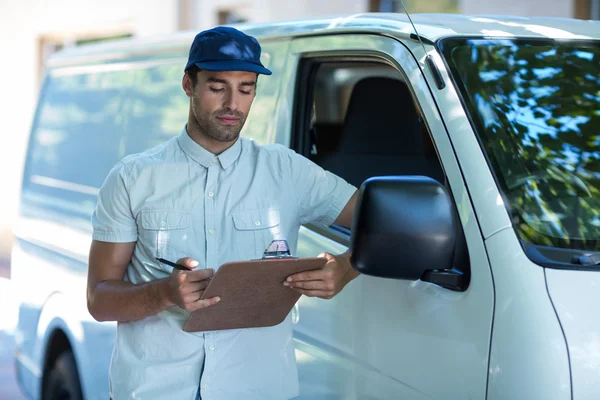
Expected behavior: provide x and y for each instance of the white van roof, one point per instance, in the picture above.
(430, 26)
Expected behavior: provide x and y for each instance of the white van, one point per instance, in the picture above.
(479, 252)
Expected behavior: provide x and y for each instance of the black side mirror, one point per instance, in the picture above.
(403, 228)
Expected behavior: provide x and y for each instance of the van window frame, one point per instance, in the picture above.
(307, 71)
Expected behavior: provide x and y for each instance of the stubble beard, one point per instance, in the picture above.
(209, 125)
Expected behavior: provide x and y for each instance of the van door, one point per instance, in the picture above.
(362, 107)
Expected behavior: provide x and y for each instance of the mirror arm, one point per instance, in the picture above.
(451, 279)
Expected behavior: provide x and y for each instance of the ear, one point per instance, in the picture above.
(186, 84)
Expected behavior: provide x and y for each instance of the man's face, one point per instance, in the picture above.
(220, 102)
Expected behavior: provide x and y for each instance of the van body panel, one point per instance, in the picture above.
(576, 295)
(338, 349)
(29, 370)
(90, 341)
(385, 338)
(529, 358)
(59, 286)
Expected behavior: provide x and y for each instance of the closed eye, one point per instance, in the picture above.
(216, 90)
(245, 92)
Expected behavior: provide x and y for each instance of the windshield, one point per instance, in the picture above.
(535, 105)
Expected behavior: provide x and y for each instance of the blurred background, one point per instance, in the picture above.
(31, 30)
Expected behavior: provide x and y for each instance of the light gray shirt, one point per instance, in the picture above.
(179, 200)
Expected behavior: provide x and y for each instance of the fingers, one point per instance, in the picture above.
(186, 287)
(313, 285)
(197, 286)
(190, 298)
(200, 304)
(328, 256)
(193, 294)
(323, 283)
(187, 262)
(188, 284)
(318, 275)
(200, 275)
(323, 294)
(185, 277)
(201, 287)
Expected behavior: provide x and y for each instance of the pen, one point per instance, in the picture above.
(172, 264)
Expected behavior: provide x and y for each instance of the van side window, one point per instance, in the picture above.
(158, 107)
(88, 121)
(78, 132)
(363, 123)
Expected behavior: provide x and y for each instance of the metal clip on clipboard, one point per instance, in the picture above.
(277, 249)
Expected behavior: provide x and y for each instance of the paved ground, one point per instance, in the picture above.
(8, 319)
(9, 389)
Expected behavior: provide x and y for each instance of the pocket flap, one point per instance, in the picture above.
(163, 220)
(257, 219)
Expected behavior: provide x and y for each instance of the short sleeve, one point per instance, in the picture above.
(320, 195)
(112, 219)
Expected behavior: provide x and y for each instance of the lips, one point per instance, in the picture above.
(228, 120)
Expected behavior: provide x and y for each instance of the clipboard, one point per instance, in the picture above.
(252, 294)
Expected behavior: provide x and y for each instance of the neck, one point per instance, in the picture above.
(198, 135)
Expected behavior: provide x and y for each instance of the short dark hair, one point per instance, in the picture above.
(193, 74)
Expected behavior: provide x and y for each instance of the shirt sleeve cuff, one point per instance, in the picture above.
(115, 236)
(338, 205)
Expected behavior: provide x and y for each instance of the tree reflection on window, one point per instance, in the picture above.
(536, 108)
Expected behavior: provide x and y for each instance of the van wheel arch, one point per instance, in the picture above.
(60, 374)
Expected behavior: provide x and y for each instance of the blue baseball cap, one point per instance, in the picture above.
(226, 49)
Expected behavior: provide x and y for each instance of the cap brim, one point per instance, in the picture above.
(233, 66)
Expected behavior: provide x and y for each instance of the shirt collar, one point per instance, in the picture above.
(205, 157)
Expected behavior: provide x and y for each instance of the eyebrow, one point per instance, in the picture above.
(223, 81)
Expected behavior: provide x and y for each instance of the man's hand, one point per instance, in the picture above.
(327, 282)
(184, 288)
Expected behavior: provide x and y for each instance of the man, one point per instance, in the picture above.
(205, 198)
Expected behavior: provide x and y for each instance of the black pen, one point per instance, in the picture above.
(172, 264)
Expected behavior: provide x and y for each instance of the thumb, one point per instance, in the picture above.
(188, 262)
(327, 256)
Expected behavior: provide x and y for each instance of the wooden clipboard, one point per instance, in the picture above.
(252, 294)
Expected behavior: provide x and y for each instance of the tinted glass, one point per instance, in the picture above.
(88, 122)
(536, 108)
(158, 107)
(78, 135)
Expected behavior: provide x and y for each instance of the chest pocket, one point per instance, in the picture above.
(165, 233)
(255, 230)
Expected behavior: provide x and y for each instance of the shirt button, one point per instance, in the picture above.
(257, 223)
(211, 232)
(211, 347)
(210, 194)
(162, 223)
(203, 386)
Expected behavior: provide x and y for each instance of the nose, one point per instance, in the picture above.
(231, 101)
